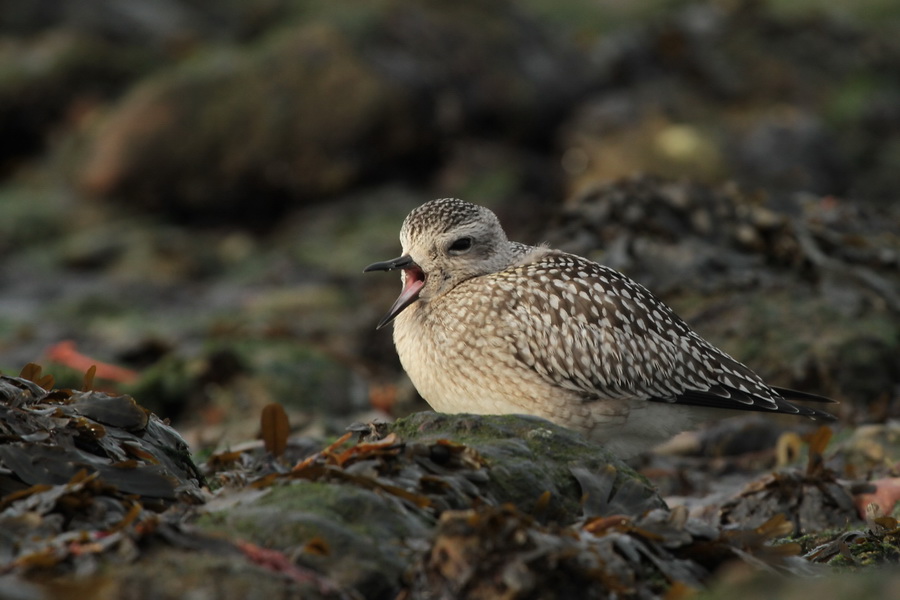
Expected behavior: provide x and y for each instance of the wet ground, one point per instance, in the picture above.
(188, 203)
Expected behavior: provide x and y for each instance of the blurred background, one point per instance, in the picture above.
(190, 189)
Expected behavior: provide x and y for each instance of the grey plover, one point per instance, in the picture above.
(488, 326)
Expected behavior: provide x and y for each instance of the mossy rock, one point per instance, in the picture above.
(528, 456)
(361, 524)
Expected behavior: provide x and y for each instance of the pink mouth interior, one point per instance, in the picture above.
(415, 281)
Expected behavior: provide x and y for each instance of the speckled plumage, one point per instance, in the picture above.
(491, 326)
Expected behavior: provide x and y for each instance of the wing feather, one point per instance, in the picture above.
(590, 329)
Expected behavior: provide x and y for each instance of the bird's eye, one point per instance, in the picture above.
(461, 245)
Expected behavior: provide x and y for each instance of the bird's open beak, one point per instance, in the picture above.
(415, 280)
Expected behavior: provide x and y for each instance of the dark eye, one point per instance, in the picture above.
(461, 245)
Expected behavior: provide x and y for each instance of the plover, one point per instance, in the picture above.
(484, 325)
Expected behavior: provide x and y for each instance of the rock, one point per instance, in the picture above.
(318, 107)
(741, 93)
(439, 506)
(361, 516)
(49, 82)
(299, 116)
(172, 24)
(528, 456)
(57, 437)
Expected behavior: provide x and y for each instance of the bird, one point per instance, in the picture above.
(484, 325)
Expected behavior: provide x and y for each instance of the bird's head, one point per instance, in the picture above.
(445, 242)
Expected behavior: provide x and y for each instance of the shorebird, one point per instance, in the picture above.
(484, 325)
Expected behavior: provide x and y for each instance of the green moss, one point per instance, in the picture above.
(363, 531)
(297, 375)
(848, 102)
(344, 237)
(883, 13)
(291, 514)
(812, 540)
(841, 585)
(168, 574)
(527, 456)
(876, 551)
(487, 187)
(587, 20)
(34, 214)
